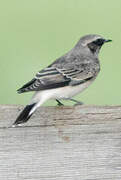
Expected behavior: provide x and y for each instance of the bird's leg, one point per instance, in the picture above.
(77, 102)
(59, 103)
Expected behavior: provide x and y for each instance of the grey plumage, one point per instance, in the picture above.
(78, 66)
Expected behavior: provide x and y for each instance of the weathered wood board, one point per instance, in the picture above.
(61, 143)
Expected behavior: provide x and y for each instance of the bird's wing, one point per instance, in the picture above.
(78, 75)
(55, 77)
(48, 78)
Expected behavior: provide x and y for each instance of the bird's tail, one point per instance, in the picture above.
(25, 114)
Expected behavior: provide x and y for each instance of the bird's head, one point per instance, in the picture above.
(92, 42)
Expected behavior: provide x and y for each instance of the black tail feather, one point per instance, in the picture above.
(24, 115)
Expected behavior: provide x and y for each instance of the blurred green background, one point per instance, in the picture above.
(35, 33)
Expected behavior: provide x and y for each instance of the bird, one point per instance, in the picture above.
(66, 77)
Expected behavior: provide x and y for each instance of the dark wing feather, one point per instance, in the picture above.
(22, 89)
(62, 73)
(54, 78)
(48, 78)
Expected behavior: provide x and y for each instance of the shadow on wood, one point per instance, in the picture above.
(58, 143)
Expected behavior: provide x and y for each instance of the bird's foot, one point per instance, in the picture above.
(77, 102)
(59, 103)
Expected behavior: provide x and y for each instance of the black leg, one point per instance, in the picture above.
(59, 103)
(77, 102)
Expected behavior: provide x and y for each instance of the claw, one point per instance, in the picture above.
(59, 103)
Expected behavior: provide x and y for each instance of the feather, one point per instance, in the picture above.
(24, 115)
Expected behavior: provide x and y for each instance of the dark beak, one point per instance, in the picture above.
(108, 40)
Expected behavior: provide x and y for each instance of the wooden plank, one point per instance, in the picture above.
(58, 143)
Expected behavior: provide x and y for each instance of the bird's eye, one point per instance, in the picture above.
(99, 42)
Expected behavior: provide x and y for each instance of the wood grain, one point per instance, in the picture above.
(59, 143)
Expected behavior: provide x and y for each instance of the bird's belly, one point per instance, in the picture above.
(67, 92)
